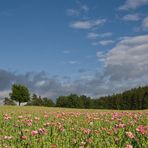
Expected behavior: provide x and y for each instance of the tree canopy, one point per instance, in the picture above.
(136, 98)
(20, 93)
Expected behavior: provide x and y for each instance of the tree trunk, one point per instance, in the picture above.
(19, 103)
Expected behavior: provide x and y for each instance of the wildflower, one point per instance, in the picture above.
(45, 116)
(42, 131)
(130, 135)
(23, 137)
(82, 144)
(129, 146)
(120, 125)
(61, 129)
(7, 146)
(142, 129)
(36, 118)
(47, 124)
(86, 131)
(7, 117)
(53, 146)
(7, 137)
(89, 140)
(33, 133)
(116, 139)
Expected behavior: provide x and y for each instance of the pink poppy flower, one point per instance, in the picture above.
(130, 135)
(129, 146)
(34, 133)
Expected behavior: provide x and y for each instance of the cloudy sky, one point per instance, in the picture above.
(58, 47)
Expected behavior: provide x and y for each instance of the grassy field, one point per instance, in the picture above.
(40, 127)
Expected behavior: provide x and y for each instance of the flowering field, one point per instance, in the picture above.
(39, 127)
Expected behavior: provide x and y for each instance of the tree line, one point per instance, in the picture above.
(136, 98)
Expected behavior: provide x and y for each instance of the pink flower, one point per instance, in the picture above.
(142, 129)
(120, 125)
(7, 146)
(7, 117)
(42, 131)
(7, 137)
(53, 146)
(34, 133)
(45, 116)
(129, 146)
(86, 131)
(23, 137)
(89, 140)
(130, 135)
(36, 118)
(47, 124)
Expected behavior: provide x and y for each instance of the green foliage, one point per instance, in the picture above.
(74, 101)
(133, 99)
(38, 101)
(20, 93)
(8, 101)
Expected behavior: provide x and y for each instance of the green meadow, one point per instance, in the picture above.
(41, 127)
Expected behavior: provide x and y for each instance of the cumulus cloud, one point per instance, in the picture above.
(124, 66)
(106, 42)
(87, 24)
(133, 4)
(127, 61)
(38, 83)
(131, 17)
(145, 23)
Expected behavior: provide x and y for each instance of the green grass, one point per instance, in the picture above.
(41, 127)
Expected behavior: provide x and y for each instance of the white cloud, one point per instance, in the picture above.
(131, 17)
(40, 83)
(106, 34)
(4, 93)
(87, 24)
(78, 11)
(124, 66)
(93, 35)
(101, 56)
(106, 42)
(128, 60)
(72, 12)
(145, 23)
(133, 4)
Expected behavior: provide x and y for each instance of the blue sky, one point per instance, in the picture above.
(75, 45)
